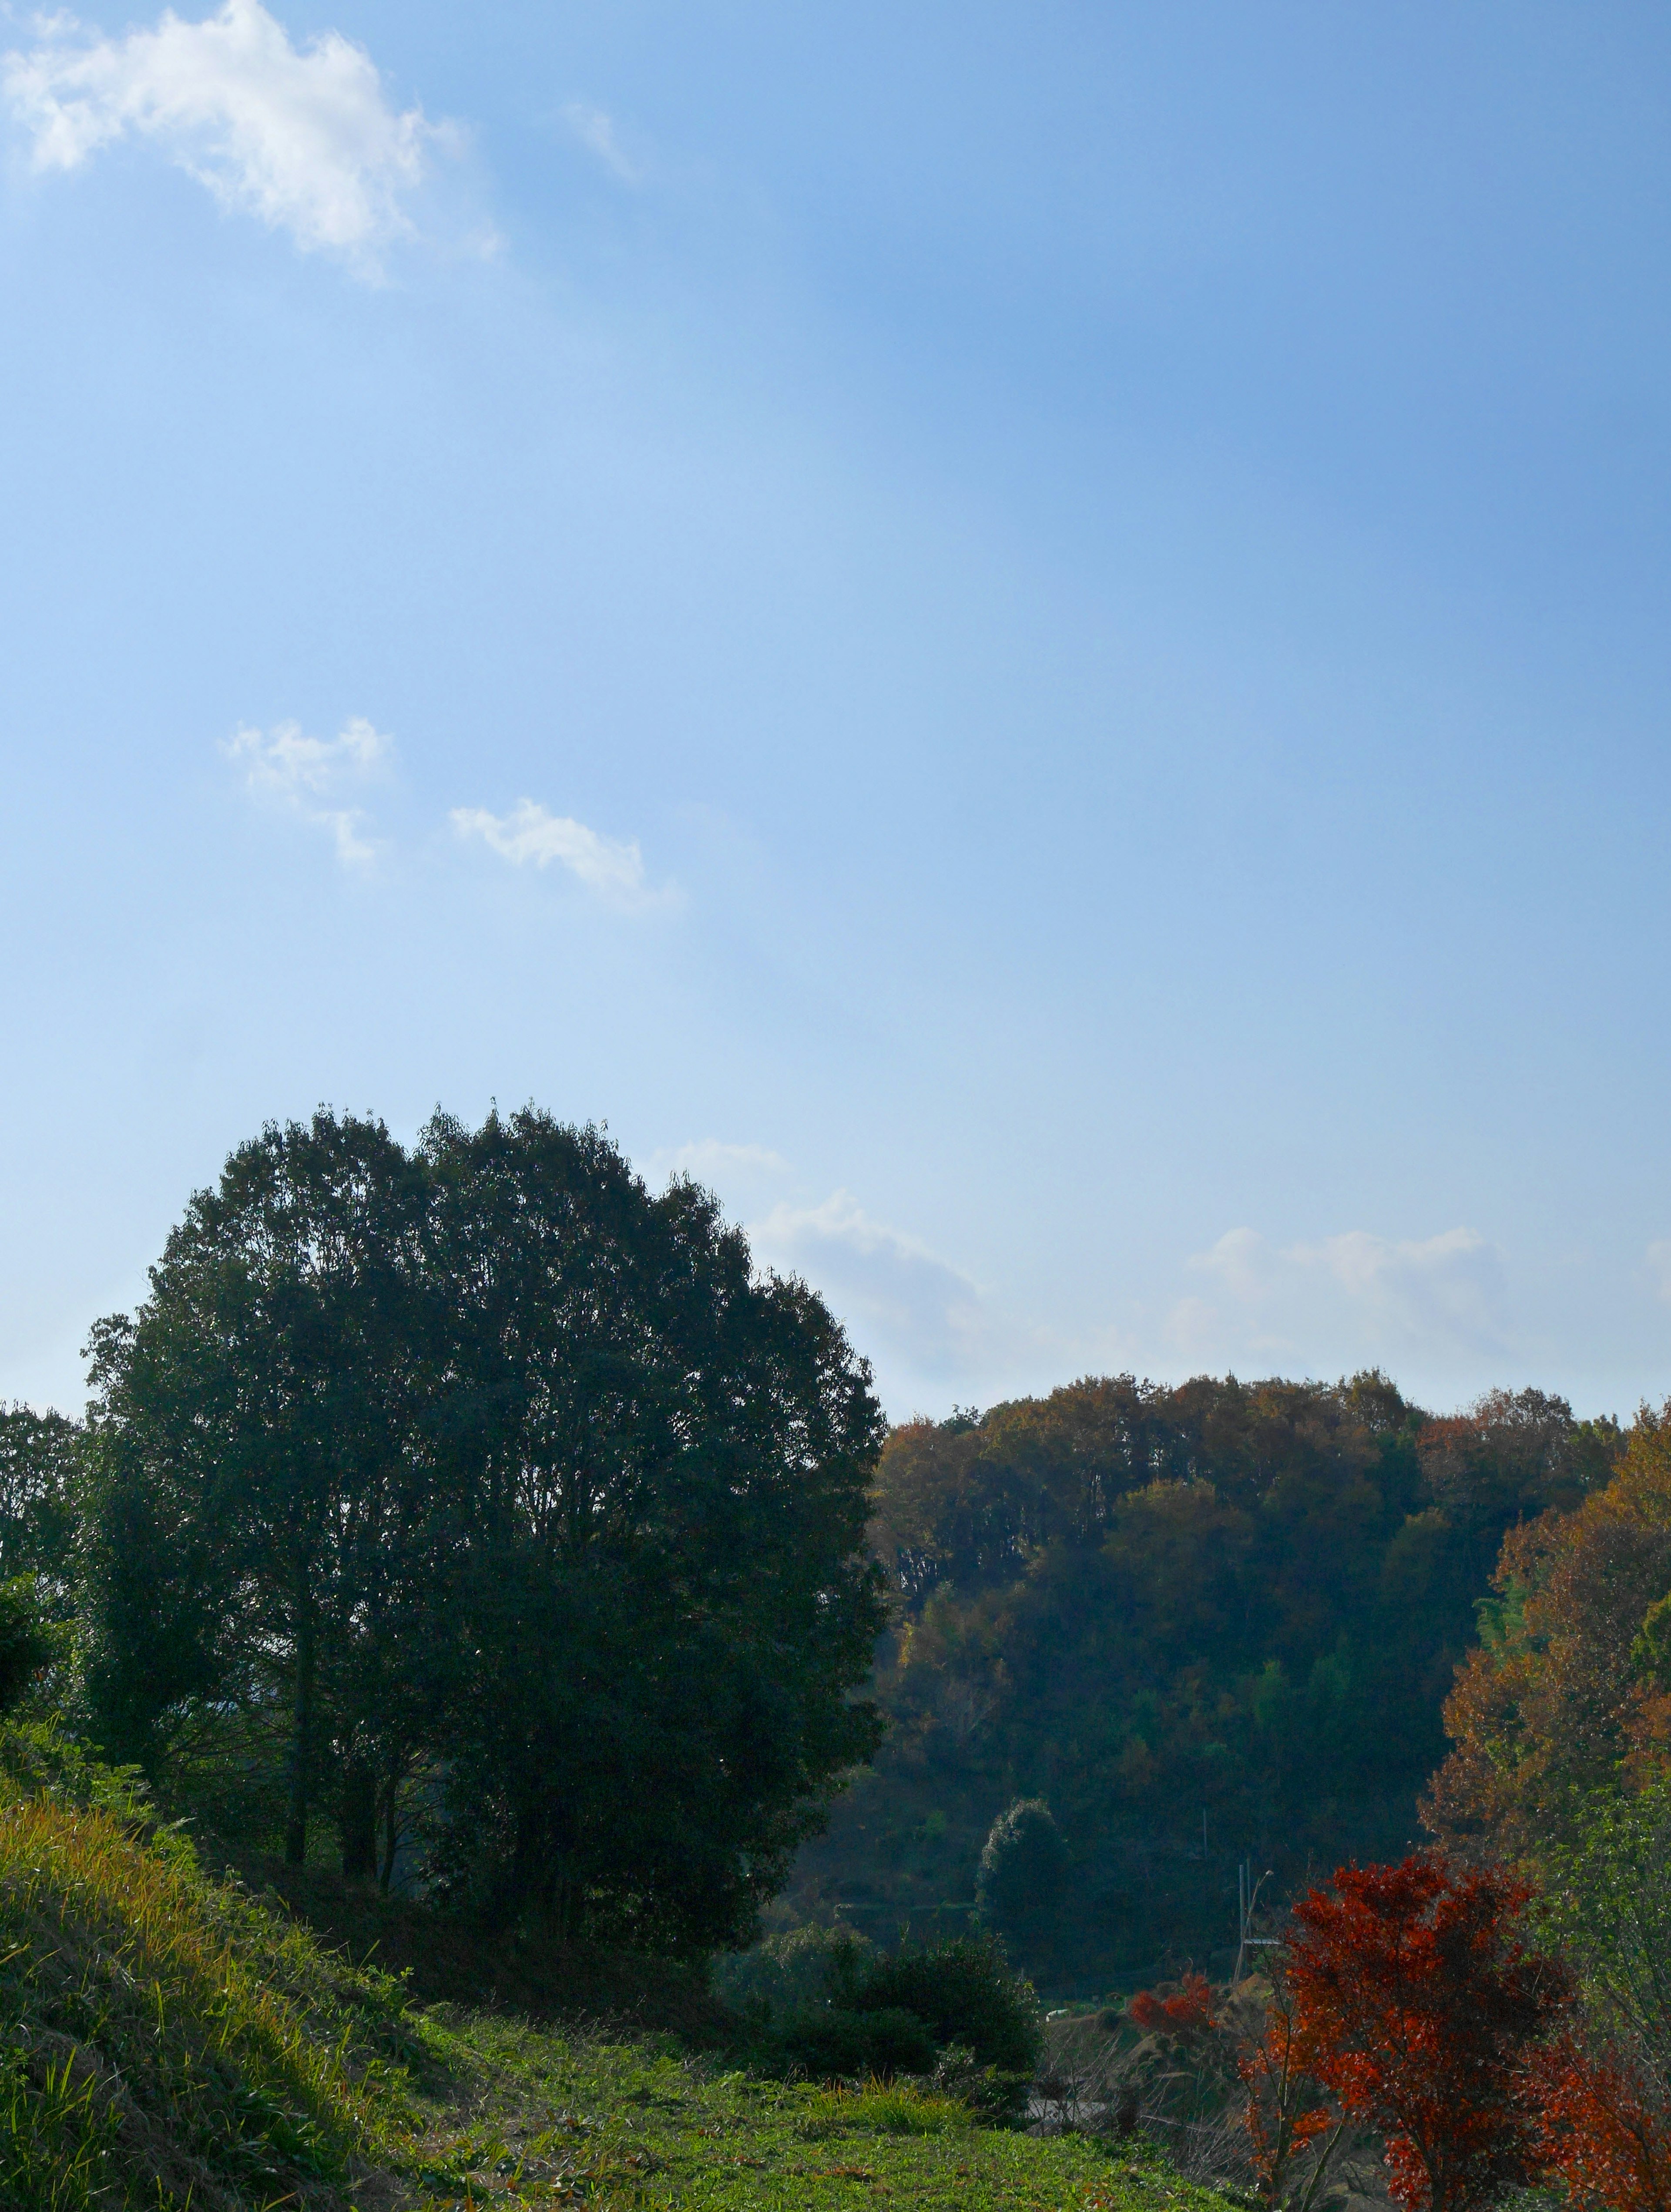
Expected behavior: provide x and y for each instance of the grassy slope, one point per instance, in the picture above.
(170, 2042)
(654, 2128)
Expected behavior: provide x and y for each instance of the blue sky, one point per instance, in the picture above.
(1036, 640)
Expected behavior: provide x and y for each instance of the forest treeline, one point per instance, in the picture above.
(1205, 1625)
(467, 1514)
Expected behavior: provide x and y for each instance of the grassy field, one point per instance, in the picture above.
(174, 2043)
(544, 2116)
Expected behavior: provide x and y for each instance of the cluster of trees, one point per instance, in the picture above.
(473, 1501)
(1203, 1625)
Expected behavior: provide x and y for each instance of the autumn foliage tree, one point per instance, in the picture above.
(1418, 2005)
(1567, 1689)
(1605, 2132)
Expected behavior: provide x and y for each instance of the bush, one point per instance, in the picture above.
(791, 1973)
(832, 2041)
(968, 1993)
(1022, 1869)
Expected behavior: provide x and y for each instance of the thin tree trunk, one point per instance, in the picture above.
(390, 1832)
(302, 1727)
(359, 1818)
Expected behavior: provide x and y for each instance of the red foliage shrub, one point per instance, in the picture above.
(1188, 2009)
(1417, 2005)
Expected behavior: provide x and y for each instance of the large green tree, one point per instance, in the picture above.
(663, 1461)
(40, 1468)
(481, 1470)
(260, 1490)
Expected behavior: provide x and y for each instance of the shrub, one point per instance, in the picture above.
(833, 2041)
(786, 1974)
(968, 1993)
(1022, 1869)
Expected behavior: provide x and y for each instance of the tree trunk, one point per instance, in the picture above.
(301, 1725)
(359, 1820)
(390, 1832)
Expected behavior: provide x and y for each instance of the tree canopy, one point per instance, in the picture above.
(472, 1493)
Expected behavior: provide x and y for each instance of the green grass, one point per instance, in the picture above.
(172, 2043)
(545, 2117)
(168, 2043)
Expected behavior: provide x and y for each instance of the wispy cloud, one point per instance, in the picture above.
(593, 128)
(707, 1159)
(308, 774)
(614, 870)
(897, 1296)
(1351, 1297)
(304, 139)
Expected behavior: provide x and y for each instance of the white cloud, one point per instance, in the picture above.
(595, 130)
(1352, 1298)
(614, 870)
(707, 1159)
(306, 774)
(884, 1284)
(304, 140)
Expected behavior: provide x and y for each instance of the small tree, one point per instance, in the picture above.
(1294, 2130)
(1605, 2132)
(27, 1646)
(1418, 2006)
(1023, 1870)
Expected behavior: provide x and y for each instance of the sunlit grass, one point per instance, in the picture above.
(173, 2044)
(567, 2117)
(170, 2042)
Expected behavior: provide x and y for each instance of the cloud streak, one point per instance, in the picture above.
(593, 128)
(891, 1289)
(306, 774)
(303, 140)
(531, 835)
(1349, 1297)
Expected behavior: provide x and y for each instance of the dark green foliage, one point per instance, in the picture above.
(836, 2042)
(266, 1573)
(477, 1499)
(1022, 1876)
(1147, 1604)
(40, 1470)
(967, 1993)
(662, 1465)
(27, 1646)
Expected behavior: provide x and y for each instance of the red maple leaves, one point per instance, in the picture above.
(1188, 2008)
(1409, 2003)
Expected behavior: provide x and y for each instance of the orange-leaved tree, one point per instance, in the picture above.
(1417, 2005)
(1567, 1689)
(1604, 2131)
(1294, 2130)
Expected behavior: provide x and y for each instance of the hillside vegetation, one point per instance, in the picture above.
(175, 2042)
(169, 2041)
(1239, 1605)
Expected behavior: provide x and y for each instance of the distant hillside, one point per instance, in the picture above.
(1241, 1603)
